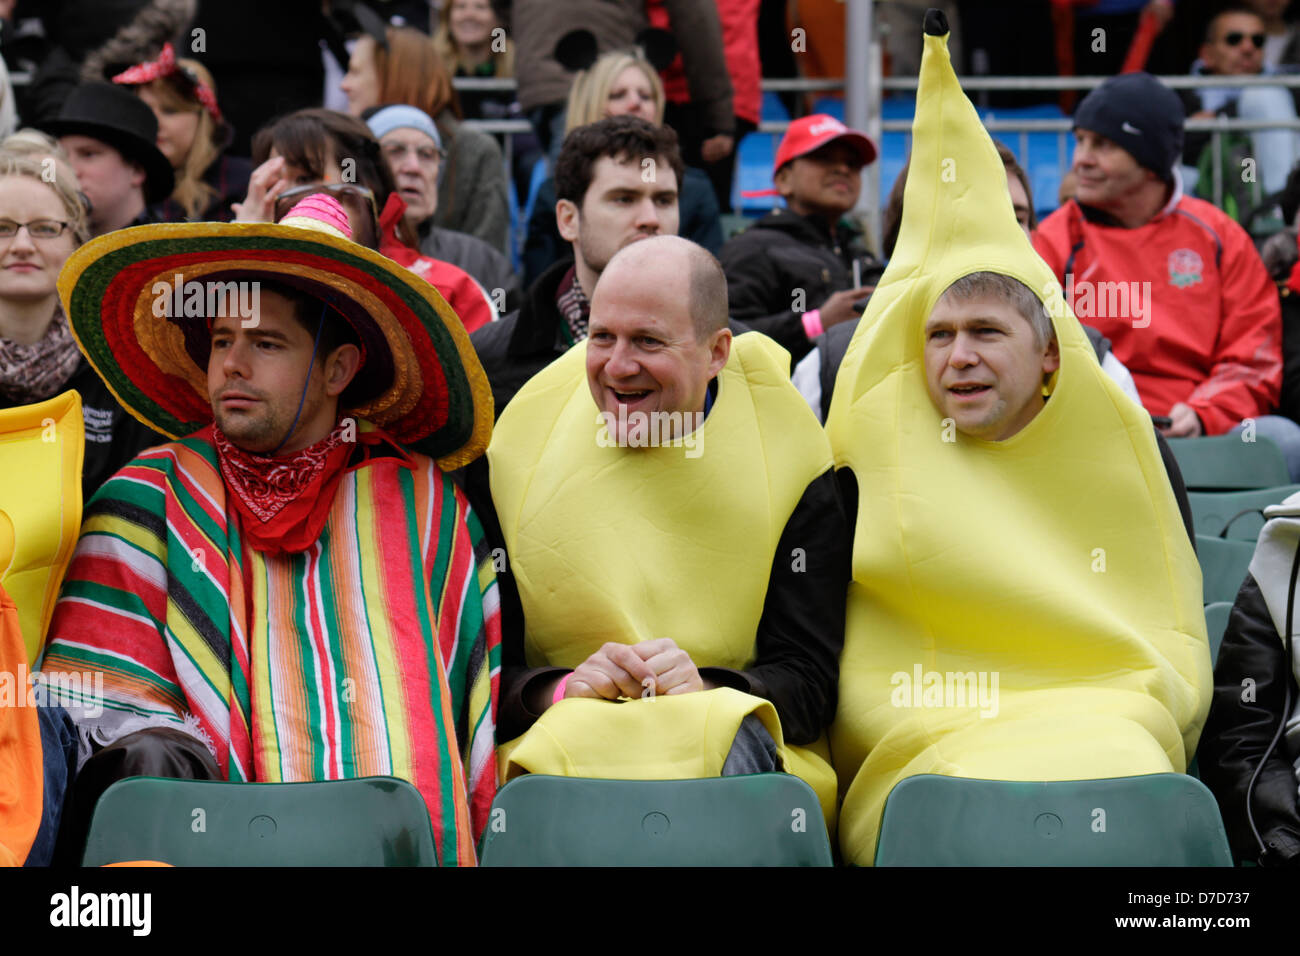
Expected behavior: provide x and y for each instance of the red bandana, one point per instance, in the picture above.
(284, 502)
(166, 65)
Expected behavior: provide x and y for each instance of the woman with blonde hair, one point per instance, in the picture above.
(621, 83)
(618, 83)
(42, 221)
(192, 135)
(400, 65)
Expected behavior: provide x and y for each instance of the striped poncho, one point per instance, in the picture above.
(374, 652)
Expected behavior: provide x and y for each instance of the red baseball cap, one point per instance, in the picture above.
(811, 133)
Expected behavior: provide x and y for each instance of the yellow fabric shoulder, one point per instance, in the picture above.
(1028, 609)
(42, 447)
(632, 544)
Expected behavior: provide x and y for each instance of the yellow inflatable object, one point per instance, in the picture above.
(1020, 610)
(632, 544)
(41, 446)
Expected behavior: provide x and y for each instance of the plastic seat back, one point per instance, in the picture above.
(368, 821)
(768, 819)
(1226, 463)
(1224, 565)
(1235, 514)
(1216, 624)
(754, 158)
(1164, 819)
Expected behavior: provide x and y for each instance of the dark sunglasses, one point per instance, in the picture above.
(1236, 36)
(357, 201)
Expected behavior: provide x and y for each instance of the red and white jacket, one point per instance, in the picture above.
(466, 297)
(1185, 301)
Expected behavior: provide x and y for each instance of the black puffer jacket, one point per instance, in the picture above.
(524, 342)
(782, 253)
(1251, 679)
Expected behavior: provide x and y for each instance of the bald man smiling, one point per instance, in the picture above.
(677, 541)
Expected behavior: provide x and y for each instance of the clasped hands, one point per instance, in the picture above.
(631, 670)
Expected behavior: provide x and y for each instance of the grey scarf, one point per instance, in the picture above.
(33, 373)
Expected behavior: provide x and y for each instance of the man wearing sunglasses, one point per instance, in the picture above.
(1234, 46)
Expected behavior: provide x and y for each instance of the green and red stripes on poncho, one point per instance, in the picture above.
(374, 652)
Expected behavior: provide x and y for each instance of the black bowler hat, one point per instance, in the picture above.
(121, 119)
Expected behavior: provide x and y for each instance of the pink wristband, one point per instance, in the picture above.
(559, 689)
(812, 323)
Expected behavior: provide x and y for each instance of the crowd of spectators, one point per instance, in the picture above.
(625, 126)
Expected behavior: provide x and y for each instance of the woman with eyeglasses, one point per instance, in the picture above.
(42, 220)
(411, 145)
(192, 135)
(402, 66)
(319, 150)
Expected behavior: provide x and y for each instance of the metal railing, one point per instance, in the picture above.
(974, 85)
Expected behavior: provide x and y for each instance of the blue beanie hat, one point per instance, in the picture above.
(1139, 113)
(402, 116)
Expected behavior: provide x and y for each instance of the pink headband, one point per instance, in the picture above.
(166, 65)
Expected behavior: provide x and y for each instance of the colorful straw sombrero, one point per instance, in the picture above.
(419, 378)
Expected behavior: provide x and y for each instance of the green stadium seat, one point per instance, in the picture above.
(368, 821)
(1234, 514)
(1163, 819)
(1224, 564)
(1226, 463)
(1216, 623)
(766, 819)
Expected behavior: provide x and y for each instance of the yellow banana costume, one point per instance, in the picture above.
(626, 545)
(41, 446)
(1051, 571)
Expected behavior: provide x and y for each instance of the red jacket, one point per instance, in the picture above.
(739, 19)
(1185, 301)
(463, 294)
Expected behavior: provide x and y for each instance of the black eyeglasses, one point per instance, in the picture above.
(1236, 36)
(37, 228)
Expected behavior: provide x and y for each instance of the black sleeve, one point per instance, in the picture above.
(757, 296)
(1176, 482)
(801, 631)
(1243, 719)
(543, 244)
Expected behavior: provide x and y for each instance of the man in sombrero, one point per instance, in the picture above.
(284, 593)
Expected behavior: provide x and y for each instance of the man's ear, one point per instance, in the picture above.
(567, 219)
(1052, 357)
(341, 367)
(784, 180)
(138, 175)
(719, 350)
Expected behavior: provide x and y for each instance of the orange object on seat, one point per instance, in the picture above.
(21, 757)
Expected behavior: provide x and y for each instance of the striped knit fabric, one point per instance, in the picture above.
(375, 651)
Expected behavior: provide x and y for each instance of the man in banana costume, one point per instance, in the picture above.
(1025, 602)
(673, 527)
